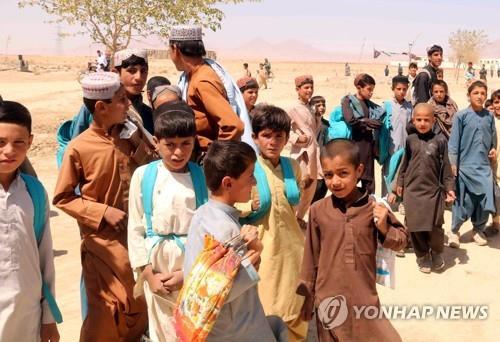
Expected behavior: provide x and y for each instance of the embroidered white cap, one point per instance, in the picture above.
(186, 33)
(122, 55)
(161, 89)
(100, 85)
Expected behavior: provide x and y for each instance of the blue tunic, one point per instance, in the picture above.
(472, 137)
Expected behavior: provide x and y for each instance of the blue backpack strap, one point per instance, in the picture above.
(147, 188)
(199, 184)
(37, 193)
(63, 139)
(384, 136)
(292, 191)
(264, 196)
(338, 129)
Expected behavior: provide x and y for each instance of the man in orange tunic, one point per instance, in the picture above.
(206, 94)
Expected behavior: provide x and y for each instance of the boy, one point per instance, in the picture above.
(25, 263)
(471, 148)
(100, 161)
(425, 182)
(412, 73)
(304, 146)
(250, 90)
(341, 243)
(262, 76)
(274, 215)
(246, 71)
(364, 118)
(428, 75)
(398, 111)
(444, 106)
(318, 106)
(156, 249)
(229, 167)
(495, 104)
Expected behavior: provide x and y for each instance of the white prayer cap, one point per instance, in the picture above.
(185, 33)
(100, 85)
(161, 89)
(122, 55)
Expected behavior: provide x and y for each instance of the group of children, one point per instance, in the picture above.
(143, 212)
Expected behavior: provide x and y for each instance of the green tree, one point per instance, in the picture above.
(466, 45)
(114, 22)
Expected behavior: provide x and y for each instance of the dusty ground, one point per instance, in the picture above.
(52, 94)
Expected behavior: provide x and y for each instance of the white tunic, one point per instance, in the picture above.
(174, 203)
(22, 263)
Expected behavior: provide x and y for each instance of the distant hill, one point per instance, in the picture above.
(288, 50)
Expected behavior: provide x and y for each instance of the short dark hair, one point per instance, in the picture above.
(266, 116)
(477, 84)
(364, 80)
(175, 123)
(190, 48)
(495, 95)
(245, 65)
(433, 49)
(399, 79)
(15, 113)
(344, 148)
(226, 158)
(440, 83)
(132, 61)
(156, 81)
(316, 99)
(90, 104)
(488, 103)
(413, 65)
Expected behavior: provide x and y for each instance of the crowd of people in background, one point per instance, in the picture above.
(148, 184)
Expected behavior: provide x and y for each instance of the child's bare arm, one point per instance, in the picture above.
(87, 212)
(49, 333)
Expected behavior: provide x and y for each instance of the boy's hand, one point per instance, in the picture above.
(450, 197)
(380, 213)
(399, 191)
(454, 170)
(493, 154)
(49, 333)
(116, 218)
(392, 198)
(255, 204)
(173, 281)
(306, 312)
(303, 139)
(307, 182)
(255, 247)
(155, 281)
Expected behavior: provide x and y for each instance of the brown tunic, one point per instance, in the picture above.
(339, 259)
(102, 165)
(425, 175)
(215, 118)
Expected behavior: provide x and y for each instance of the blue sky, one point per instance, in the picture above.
(332, 25)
